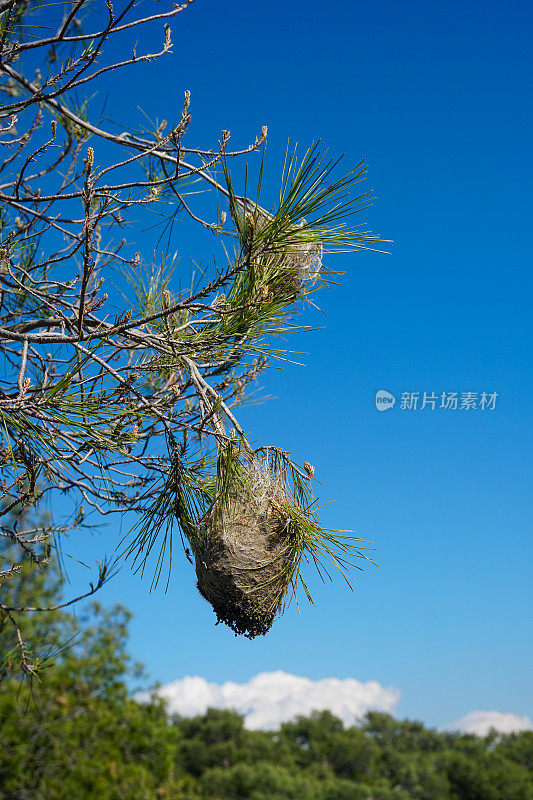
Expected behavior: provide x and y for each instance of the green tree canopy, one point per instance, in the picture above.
(79, 733)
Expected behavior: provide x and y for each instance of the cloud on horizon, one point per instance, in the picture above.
(270, 698)
(480, 723)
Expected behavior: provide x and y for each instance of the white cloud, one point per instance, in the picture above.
(480, 723)
(270, 698)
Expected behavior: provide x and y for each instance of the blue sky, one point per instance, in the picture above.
(436, 97)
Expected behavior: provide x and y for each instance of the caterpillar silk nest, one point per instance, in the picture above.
(243, 550)
(286, 255)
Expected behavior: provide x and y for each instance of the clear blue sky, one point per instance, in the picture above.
(437, 97)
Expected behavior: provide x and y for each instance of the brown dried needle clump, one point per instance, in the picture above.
(243, 551)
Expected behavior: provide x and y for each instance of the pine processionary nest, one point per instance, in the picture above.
(302, 263)
(243, 551)
(297, 265)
